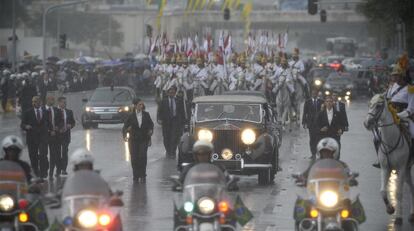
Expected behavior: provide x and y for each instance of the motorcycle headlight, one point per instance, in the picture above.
(227, 154)
(87, 218)
(206, 205)
(348, 93)
(327, 92)
(329, 199)
(6, 203)
(205, 134)
(318, 82)
(248, 136)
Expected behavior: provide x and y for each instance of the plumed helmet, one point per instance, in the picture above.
(81, 156)
(12, 141)
(328, 144)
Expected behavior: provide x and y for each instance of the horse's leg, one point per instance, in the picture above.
(399, 195)
(385, 176)
(409, 181)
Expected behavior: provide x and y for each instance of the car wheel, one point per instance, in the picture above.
(264, 176)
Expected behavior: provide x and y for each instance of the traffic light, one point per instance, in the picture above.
(148, 30)
(226, 14)
(312, 7)
(62, 41)
(323, 15)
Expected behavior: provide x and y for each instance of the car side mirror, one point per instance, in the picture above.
(85, 100)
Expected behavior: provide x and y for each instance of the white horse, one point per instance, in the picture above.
(393, 153)
(299, 97)
(282, 99)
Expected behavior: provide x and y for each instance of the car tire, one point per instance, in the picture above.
(264, 176)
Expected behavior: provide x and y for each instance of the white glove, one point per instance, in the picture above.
(403, 114)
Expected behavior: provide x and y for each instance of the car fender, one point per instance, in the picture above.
(186, 143)
(262, 146)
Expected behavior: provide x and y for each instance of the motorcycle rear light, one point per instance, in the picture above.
(314, 213)
(104, 219)
(23, 203)
(189, 220)
(23, 217)
(223, 207)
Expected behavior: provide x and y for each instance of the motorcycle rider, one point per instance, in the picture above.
(327, 148)
(82, 159)
(12, 146)
(202, 152)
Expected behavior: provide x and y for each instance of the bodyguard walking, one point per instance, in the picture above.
(172, 116)
(35, 122)
(53, 141)
(137, 130)
(67, 122)
(311, 108)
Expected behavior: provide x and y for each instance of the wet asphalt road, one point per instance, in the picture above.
(149, 206)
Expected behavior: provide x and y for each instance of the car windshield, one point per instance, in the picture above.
(321, 73)
(337, 79)
(106, 95)
(211, 111)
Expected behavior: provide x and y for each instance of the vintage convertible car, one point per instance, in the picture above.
(242, 128)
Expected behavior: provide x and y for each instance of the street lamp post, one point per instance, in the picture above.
(48, 10)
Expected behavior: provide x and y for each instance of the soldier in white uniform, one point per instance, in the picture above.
(199, 74)
(298, 68)
(284, 74)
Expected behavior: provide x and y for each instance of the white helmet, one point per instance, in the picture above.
(203, 146)
(12, 141)
(328, 144)
(81, 156)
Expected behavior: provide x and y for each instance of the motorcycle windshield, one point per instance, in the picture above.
(204, 180)
(328, 175)
(84, 189)
(12, 179)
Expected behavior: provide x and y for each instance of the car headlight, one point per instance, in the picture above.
(206, 205)
(318, 82)
(126, 108)
(329, 199)
(248, 136)
(327, 93)
(87, 218)
(227, 154)
(205, 134)
(6, 203)
(87, 109)
(348, 93)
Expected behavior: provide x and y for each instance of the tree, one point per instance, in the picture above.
(89, 28)
(6, 13)
(387, 14)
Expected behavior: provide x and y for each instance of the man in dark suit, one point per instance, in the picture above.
(53, 141)
(340, 107)
(172, 115)
(66, 123)
(329, 122)
(35, 121)
(137, 130)
(311, 108)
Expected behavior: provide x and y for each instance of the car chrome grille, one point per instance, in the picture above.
(105, 110)
(227, 139)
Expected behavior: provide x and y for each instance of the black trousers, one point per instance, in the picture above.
(54, 155)
(171, 133)
(63, 147)
(138, 152)
(37, 148)
(313, 140)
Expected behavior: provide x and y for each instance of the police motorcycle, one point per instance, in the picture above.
(328, 206)
(204, 204)
(20, 204)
